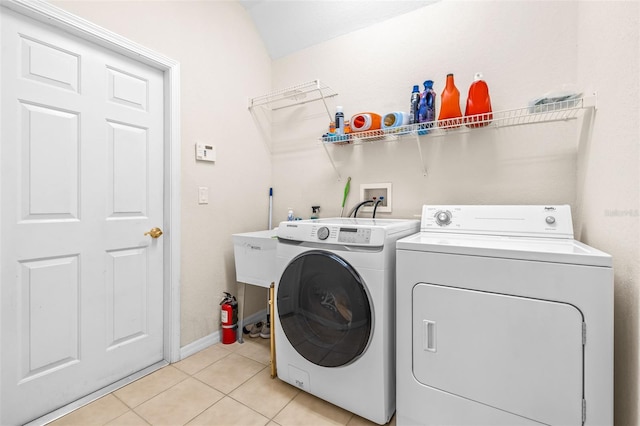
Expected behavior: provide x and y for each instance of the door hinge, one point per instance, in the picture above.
(584, 410)
(584, 333)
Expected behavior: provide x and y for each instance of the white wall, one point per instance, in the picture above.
(524, 49)
(223, 63)
(608, 174)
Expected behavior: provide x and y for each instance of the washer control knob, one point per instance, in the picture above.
(550, 220)
(323, 233)
(443, 218)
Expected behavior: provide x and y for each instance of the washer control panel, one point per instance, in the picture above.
(307, 231)
(343, 231)
(354, 235)
(547, 221)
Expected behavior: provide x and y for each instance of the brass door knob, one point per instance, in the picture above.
(154, 232)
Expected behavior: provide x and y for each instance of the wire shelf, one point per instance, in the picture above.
(295, 95)
(557, 111)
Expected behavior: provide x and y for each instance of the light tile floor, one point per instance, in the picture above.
(221, 385)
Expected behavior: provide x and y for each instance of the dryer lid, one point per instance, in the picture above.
(526, 232)
(567, 251)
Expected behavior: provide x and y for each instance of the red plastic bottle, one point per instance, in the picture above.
(450, 105)
(478, 110)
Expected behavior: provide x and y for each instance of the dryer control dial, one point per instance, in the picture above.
(443, 217)
(550, 220)
(323, 233)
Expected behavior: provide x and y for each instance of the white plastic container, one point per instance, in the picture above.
(255, 257)
(395, 119)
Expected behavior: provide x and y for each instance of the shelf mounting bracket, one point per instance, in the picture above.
(424, 169)
(333, 164)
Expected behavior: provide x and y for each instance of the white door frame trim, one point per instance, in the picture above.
(52, 15)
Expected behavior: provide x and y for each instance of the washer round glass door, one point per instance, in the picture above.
(324, 309)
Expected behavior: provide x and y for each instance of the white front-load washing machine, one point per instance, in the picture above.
(335, 319)
(503, 319)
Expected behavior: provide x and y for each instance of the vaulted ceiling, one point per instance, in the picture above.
(287, 26)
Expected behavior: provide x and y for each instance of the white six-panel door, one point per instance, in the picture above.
(81, 181)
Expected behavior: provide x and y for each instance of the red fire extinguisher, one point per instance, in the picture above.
(229, 318)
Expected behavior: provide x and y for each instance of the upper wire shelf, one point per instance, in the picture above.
(295, 95)
(557, 111)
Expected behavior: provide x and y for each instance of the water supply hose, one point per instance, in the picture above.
(375, 207)
(355, 210)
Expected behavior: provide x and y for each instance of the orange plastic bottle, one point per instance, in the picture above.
(450, 105)
(478, 110)
(365, 121)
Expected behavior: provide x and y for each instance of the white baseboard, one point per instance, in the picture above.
(213, 338)
(199, 344)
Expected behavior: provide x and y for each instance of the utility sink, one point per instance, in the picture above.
(255, 256)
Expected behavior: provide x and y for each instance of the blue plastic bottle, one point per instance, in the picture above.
(422, 114)
(415, 103)
(430, 102)
(427, 108)
(422, 108)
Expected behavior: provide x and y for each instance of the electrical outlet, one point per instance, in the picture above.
(370, 190)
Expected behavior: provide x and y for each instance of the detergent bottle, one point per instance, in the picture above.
(430, 102)
(365, 121)
(450, 105)
(427, 109)
(339, 121)
(394, 119)
(478, 110)
(422, 107)
(415, 104)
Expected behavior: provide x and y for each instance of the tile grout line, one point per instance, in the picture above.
(225, 394)
(221, 391)
(208, 365)
(244, 405)
(123, 414)
(270, 419)
(187, 375)
(285, 405)
(159, 393)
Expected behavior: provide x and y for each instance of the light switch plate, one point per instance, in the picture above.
(203, 195)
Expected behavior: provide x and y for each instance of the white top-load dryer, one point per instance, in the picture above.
(334, 321)
(503, 319)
